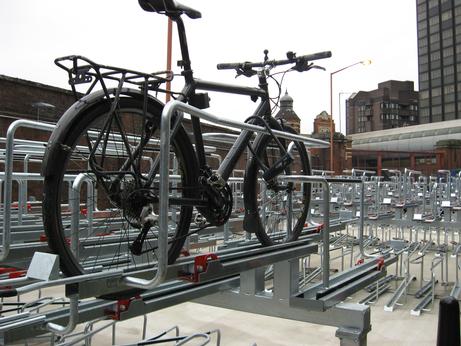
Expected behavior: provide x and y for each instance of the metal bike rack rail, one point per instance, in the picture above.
(168, 111)
(6, 239)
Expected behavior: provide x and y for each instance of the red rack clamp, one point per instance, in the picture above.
(12, 273)
(200, 266)
(4, 270)
(17, 274)
(319, 228)
(121, 306)
(380, 263)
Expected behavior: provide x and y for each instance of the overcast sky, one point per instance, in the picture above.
(120, 33)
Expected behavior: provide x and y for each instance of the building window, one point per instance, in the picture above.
(448, 89)
(422, 15)
(457, 9)
(448, 52)
(435, 56)
(446, 15)
(437, 110)
(434, 20)
(424, 94)
(424, 103)
(422, 43)
(424, 112)
(448, 70)
(435, 73)
(422, 32)
(450, 107)
(436, 92)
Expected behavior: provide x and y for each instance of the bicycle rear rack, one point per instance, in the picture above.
(82, 70)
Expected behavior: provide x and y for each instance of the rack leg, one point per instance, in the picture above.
(351, 337)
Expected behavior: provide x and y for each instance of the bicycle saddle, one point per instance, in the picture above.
(169, 7)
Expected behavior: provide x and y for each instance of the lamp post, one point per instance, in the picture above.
(42, 106)
(339, 104)
(363, 62)
(169, 49)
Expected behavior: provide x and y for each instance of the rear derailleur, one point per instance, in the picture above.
(218, 193)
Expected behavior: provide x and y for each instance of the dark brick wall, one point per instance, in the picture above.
(17, 97)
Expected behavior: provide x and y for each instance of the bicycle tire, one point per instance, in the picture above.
(266, 214)
(110, 236)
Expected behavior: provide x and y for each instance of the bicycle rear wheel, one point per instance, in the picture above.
(115, 150)
(276, 211)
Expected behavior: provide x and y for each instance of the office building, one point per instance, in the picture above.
(439, 56)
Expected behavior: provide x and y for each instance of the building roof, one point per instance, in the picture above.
(411, 138)
(34, 84)
(286, 109)
(323, 115)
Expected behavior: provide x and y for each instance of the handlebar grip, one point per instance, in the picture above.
(317, 56)
(228, 66)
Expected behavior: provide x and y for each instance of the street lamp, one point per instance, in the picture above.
(339, 104)
(169, 49)
(42, 106)
(363, 62)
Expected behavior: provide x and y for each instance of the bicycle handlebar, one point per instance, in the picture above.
(294, 60)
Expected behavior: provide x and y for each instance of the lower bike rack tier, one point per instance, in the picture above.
(234, 278)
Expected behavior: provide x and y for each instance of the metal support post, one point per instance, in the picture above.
(353, 320)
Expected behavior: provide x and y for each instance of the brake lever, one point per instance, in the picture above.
(302, 65)
(247, 72)
(318, 67)
(305, 66)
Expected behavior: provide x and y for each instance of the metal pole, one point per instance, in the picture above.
(6, 237)
(168, 57)
(326, 234)
(332, 168)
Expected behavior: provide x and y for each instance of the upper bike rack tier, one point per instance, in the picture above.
(168, 111)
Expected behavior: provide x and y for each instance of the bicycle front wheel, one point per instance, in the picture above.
(277, 211)
(117, 151)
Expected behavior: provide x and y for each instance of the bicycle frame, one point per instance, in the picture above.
(193, 84)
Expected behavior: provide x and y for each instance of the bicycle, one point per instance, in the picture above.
(111, 137)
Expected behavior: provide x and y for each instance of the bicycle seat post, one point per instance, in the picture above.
(185, 62)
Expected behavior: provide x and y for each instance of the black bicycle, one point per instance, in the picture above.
(110, 136)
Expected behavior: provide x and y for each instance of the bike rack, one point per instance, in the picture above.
(169, 110)
(378, 207)
(6, 241)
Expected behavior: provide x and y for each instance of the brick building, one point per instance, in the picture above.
(393, 104)
(287, 113)
(320, 158)
(22, 99)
